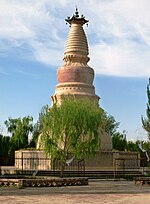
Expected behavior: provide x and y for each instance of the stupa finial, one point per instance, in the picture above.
(76, 13)
(76, 18)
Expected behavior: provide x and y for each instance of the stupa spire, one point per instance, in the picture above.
(76, 49)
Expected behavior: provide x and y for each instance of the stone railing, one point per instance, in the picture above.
(43, 182)
(142, 180)
(10, 183)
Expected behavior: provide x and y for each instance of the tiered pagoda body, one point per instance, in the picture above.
(75, 77)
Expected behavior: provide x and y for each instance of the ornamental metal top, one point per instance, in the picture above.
(76, 18)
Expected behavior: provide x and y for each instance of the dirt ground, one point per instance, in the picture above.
(97, 192)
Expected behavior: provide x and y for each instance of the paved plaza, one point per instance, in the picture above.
(97, 192)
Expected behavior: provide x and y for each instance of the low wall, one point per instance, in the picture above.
(109, 160)
(102, 160)
(31, 160)
(126, 160)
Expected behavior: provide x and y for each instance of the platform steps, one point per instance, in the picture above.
(91, 174)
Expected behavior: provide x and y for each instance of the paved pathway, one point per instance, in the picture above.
(97, 192)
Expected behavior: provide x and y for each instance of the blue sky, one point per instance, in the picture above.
(32, 40)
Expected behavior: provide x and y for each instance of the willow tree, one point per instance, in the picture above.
(146, 121)
(72, 130)
(19, 128)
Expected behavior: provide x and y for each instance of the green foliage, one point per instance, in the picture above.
(146, 121)
(37, 127)
(72, 128)
(35, 134)
(145, 144)
(19, 130)
(132, 146)
(111, 125)
(4, 145)
(119, 141)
